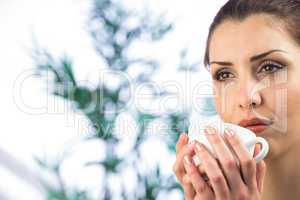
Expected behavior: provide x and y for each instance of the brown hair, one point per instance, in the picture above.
(287, 11)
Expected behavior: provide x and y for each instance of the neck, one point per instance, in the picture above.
(282, 180)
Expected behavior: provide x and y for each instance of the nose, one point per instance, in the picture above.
(248, 95)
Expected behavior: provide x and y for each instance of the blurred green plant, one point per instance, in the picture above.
(113, 35)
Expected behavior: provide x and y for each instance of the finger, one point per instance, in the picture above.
(213, 172)
(225, 157)
(256, 149)
(201, 169)
(199, 185)
(183, 139)
(202, 172)
(260, 171)
(189, 191)
(247, 162)
(178, 167)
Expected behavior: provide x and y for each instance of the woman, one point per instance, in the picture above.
(253, 55)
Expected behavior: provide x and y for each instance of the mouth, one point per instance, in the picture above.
(256, 125)
(258, 128)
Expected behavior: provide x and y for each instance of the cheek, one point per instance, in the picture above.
(293, 104)
(281, 102)
(274, 101)
(293, 91)
(224, 101)
(218, 96)
(221, 110)
(287, 99)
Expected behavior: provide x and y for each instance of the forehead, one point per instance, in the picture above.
(234, 39)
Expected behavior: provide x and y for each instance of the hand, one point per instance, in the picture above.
(184, 149)
(228, 181)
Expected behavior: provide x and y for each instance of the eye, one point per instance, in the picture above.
(269, 67)
(223, 74)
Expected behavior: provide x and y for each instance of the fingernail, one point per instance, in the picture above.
(187, 160)
(229, 133)
(181, 137)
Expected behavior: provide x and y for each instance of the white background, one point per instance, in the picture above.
(61, 27)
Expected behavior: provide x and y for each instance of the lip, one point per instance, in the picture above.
(257, 128)
(256, 125)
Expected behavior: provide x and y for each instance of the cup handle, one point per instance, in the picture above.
(264, 150)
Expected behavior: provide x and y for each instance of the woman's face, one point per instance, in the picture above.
(256, 62)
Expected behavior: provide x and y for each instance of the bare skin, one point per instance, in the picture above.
(276, 74)
(234, 186)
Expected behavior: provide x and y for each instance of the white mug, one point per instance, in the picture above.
(248, 138)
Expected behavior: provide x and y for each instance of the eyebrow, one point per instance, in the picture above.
(252, 59)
